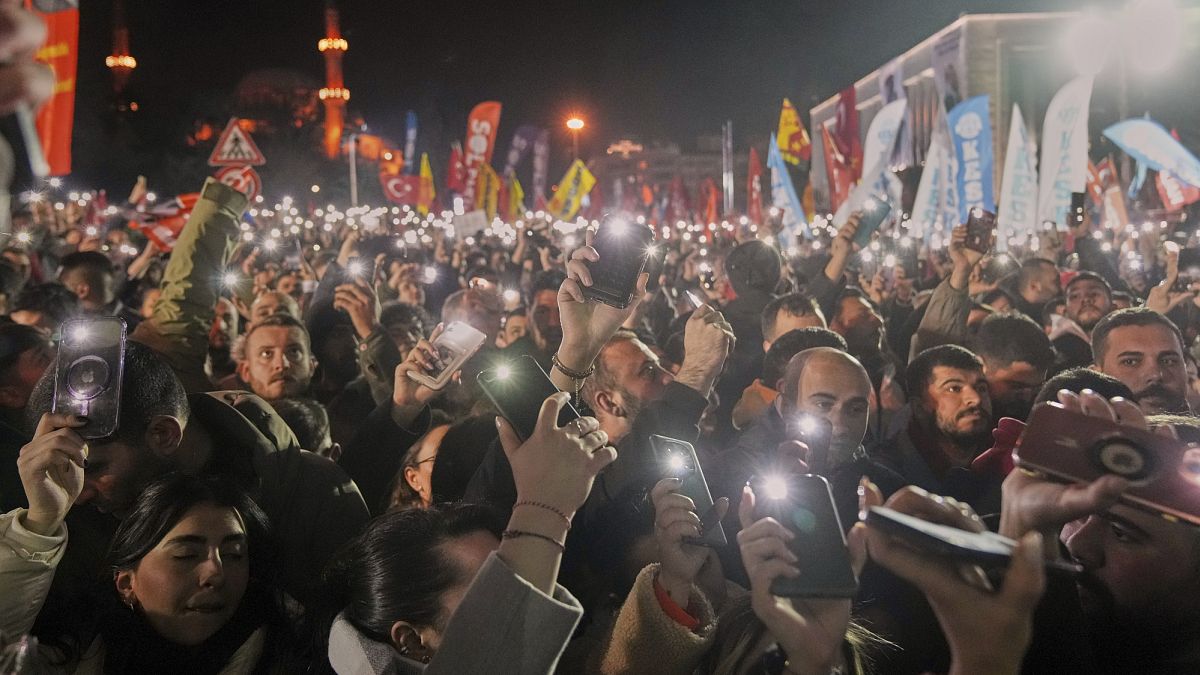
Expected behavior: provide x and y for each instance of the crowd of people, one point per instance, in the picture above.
(281, 495)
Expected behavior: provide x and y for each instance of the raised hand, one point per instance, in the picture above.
(810, 631)
(556, 465)
(988, 632)
(359, 301)
(51, 469)
(422, 359)
(587, 325)
(675, 519)
(707, 341)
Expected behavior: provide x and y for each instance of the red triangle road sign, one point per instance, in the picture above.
(236, 148)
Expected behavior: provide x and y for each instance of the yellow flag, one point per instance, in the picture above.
(425, 189)
(516, 199)
(487, 190)
(574, 186)
(792, 137)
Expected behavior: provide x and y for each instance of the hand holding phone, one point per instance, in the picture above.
(677, 460)
(88, 373)
(803, 506)
(678, 536)
(453, 346)
(623, 248)
(981, 230)
(518, 388)
(874, 212)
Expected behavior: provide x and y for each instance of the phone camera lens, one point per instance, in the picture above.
(87, 377)
(1123, 458)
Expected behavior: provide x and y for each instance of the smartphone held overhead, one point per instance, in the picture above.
(88, 373)
(624, 248)
(517, 389)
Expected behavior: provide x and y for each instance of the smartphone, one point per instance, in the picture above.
(815, 433)
(981, 230)
(457, 343)
(678, 460)
(1072, 447)
(293, 254)
(359, 268)
(874, 212)
(88, 373)
(804, 505)
(1189, 268)
(518, 388)
(624, 248)
(1078, 204)
(990, 551)
(693, 300)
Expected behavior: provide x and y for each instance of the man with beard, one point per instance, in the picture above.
(1143, 349)
(948, 423)
(276, 358)
(1016, 355)
(1089, 299)
(1140, 588)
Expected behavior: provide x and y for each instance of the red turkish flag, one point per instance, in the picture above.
(456, 172)
(401, 189)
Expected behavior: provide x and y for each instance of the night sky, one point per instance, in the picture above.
(658, 70)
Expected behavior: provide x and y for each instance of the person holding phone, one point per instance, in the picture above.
(1138, 593)
(945, 320)
(425, 589)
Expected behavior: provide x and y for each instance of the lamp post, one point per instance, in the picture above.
(575, 124)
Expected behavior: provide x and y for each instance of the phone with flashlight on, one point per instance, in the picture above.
(624, 248)
(518, 388)
(88, 373)
(804, 505)
(678, 460)
(874, 212)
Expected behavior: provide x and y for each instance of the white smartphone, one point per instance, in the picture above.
(457, 343)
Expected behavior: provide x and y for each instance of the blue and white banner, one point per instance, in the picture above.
(1019, 186)
(1064, 150)
(971, 137)
(523, 141)
(783, 197)
(1154, 147)
(410, 143)
(927, 206)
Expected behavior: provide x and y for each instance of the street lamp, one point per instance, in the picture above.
(575, 124)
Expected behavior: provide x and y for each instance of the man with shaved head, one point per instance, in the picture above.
(825, 392)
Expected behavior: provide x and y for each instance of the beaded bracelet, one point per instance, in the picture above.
(515, 534)
(546, 507)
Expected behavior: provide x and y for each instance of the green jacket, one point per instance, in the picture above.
(178, 329)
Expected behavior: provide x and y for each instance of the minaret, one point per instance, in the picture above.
(335, 94)
(120, 62)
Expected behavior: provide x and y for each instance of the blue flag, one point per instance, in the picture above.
(1153, 146)
(783, 197)
(971, 136)
(410, 142)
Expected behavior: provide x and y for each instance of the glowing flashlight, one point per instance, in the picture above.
(80, 334)
(271, 244)
(511, 296)
(230, 279)
(356, 268)
(775, 487)
(430, 274)
(24, 237)
(503, 372)
(676, 464)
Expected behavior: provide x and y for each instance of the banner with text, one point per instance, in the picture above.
(1018, 186)
(1064, 150)
(479, 144)
(971, 137)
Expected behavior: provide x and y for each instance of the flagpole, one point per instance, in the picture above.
(727, 165)
(354, 169)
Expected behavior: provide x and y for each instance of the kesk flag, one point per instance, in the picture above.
(487, 190)
(783, 197)
(846, 133)
(754, 189)
(516, 198)
(577, 182)
(426, 191)
(836, 169)
(56, 118)
(1064, 150)
(971, 135)
(793, 140)
(456, 173)
(1018, 188)
(1153, 146)
(477, 150)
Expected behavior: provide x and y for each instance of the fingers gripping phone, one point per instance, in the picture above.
(804, 505)
(874, 212)
(678, 460)
(518, 388)
(454, 346)
(981, 230)
(88, 373)
(990, 551)
(816, 433)
(624, 248)
(1067, 446)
